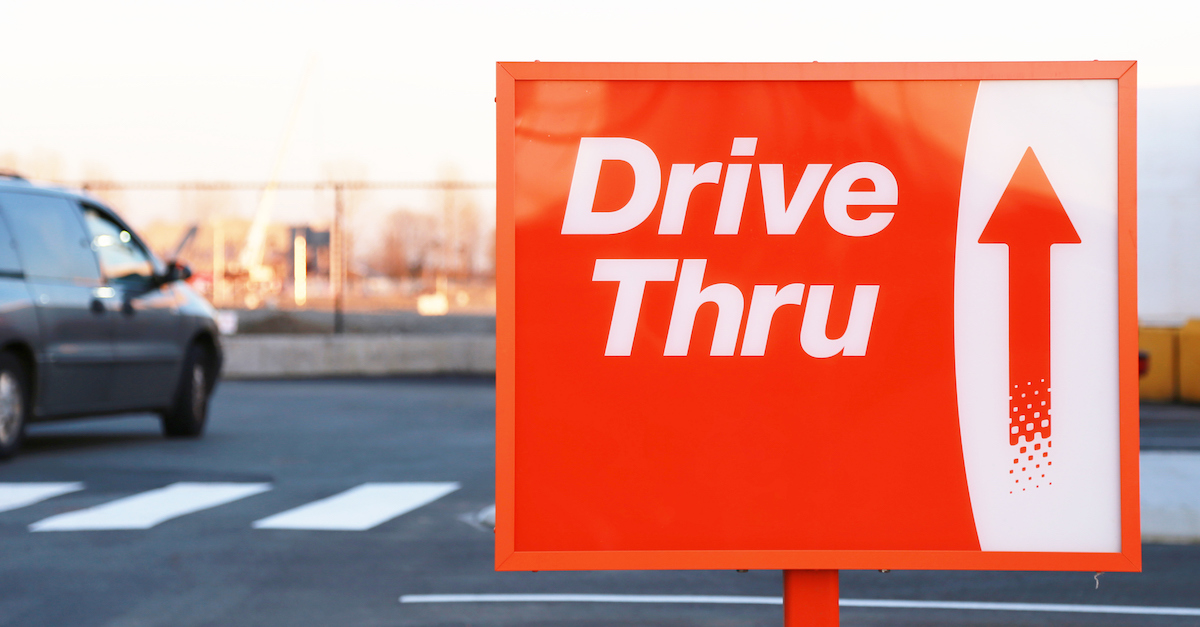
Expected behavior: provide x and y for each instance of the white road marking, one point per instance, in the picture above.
(359, 508)
(487, 516)
(147, 509)
(17, 495)
(483, 520)
(588, 598)
(1071, 608)
(750, 600)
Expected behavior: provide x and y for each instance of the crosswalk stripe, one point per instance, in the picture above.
(147, 509)
(17, 495)
(359, 508)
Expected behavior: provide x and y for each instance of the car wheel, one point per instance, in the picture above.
(14, 404)
(186, 417)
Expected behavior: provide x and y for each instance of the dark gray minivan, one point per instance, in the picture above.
(91, 322)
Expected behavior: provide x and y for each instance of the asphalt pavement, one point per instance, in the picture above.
(1170, 427)
(274, 518)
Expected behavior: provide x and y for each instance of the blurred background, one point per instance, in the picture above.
(294, 151)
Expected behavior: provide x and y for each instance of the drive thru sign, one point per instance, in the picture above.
(817, 316)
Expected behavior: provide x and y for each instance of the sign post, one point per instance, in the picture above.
(810, 317)
(810, 598)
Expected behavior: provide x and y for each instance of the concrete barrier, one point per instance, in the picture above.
(307, 321)
(1189, 362)
(1161, 381)
(309, 356)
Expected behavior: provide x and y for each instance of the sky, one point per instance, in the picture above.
(403, 91)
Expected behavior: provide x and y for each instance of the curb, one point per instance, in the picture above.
(312, 356)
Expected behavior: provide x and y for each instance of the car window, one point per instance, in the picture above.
(10, 263)
(122, 258)
(50, 238)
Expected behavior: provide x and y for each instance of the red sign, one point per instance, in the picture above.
(808, 316)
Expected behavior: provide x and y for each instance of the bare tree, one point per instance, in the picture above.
(39, 163)
(201, 206)
(101, 184)
(409, 245)
(348, 171)
(461, 230)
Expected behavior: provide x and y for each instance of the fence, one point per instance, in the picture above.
(349, 244)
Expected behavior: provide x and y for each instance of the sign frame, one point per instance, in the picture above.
(508, 558)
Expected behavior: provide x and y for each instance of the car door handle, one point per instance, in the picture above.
(99, 295)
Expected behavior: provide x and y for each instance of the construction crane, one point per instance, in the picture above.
(249, 273)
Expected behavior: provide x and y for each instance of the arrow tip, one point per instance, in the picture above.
(1029, 211)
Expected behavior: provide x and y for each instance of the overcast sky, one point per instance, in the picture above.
(201, 90)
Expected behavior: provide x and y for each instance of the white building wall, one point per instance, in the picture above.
(1169, 204)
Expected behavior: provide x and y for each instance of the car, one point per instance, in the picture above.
(92, 322)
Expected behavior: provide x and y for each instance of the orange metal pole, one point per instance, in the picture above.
(810, 598)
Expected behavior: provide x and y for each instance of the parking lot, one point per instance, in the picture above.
(273, 518)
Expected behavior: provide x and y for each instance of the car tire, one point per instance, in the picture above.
(14, 404)
(189, 410)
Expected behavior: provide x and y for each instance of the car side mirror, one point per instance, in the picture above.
(176, 271)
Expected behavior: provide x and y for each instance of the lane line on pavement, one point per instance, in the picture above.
(18, 495)
(1073, 608)
(753, 600)
(360, 508)
(147, 509)
(589, 598)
